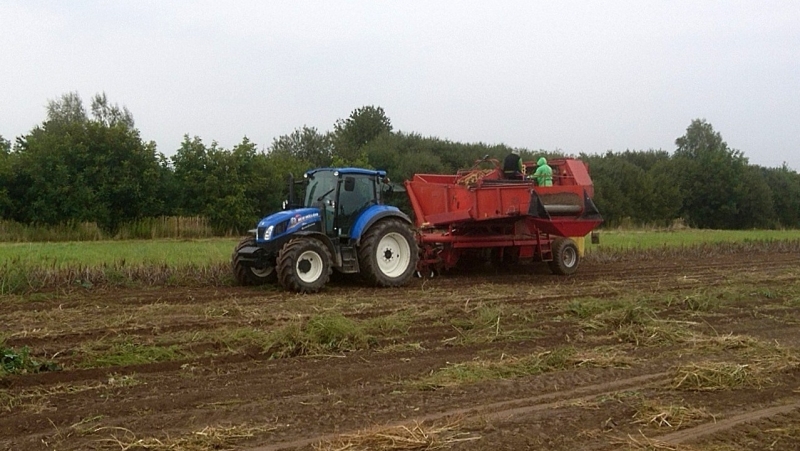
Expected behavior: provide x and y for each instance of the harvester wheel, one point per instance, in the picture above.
(388, 254)
(565, 257)
(249, 275)
(304, 265)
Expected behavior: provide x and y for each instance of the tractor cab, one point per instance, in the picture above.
(341, 195)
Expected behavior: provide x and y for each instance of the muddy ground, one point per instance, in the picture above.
(639, 353)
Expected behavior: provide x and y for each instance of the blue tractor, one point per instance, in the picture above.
(342, 224)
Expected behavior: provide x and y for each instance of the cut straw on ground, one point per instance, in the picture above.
(419, 436)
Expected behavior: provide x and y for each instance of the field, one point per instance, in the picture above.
(682, 348)
(212, 251)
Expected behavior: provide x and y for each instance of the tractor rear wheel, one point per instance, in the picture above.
(565, 257)
(250, 275)
(304, 265)
(388, 254)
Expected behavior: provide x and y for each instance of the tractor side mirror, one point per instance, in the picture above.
(349, 183)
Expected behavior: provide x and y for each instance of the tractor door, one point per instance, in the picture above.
(356, 193)
(321, 191)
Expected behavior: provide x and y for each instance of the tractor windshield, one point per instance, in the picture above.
(321, 187)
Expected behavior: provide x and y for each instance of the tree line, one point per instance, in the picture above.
(92, 165)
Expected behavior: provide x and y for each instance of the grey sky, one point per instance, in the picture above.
(578, 76)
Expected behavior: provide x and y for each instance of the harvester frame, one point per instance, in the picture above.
(480, 210)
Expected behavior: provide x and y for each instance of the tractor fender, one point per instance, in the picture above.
(372, 215)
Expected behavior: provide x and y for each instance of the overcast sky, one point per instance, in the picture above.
(577, 76)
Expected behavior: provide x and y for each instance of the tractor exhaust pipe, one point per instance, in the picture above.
(291, 190)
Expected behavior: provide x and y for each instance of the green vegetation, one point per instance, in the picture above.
(495, 322)
(512, 367)
(172, 253)
(16, 361)
(88, 174)
(318, 335)
(762, 359)
(19, 361)
(647, 239)
(630, 319)
(178, 227)
(130, 353)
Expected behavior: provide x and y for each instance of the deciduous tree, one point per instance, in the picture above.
(72, 168)
(306, 144)
(711, 177)
(362, 126)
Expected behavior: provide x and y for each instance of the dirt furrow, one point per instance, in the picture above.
(497, 410)
(713, 427)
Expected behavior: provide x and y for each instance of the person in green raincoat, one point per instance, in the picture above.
(543, 174)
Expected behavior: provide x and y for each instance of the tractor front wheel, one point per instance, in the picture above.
(388, 254)
(304, 265)
(251, 275)
(565, 257)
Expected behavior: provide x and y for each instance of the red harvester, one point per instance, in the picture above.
(479, 213)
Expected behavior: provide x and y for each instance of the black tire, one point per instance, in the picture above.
(565, 257)
(248, 275)
(304, 265)
(388, 254)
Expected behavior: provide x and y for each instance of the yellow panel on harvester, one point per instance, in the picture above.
(580, 241)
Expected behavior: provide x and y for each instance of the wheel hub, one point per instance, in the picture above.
(309, 266)
(393, 254)
(569, 258)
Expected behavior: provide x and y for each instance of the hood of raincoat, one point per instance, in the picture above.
(542, 161)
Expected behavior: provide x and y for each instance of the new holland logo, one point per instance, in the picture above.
(298, 219)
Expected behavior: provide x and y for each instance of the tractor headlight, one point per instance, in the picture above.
(268, 233)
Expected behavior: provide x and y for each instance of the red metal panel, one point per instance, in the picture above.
(446, 200)
(580, 172)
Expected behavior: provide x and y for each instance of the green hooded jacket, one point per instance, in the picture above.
(544, 173)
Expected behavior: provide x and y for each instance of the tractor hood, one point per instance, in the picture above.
(286, 222)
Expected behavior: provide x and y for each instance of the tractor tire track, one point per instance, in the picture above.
(500, 410)
(691, 434)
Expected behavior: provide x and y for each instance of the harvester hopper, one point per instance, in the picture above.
(480, 209)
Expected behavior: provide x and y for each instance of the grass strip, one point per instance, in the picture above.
(457, 374)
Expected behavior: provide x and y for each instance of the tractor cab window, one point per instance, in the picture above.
(321, 193)
(321, 188)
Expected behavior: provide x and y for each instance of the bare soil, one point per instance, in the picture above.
(622, 394)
